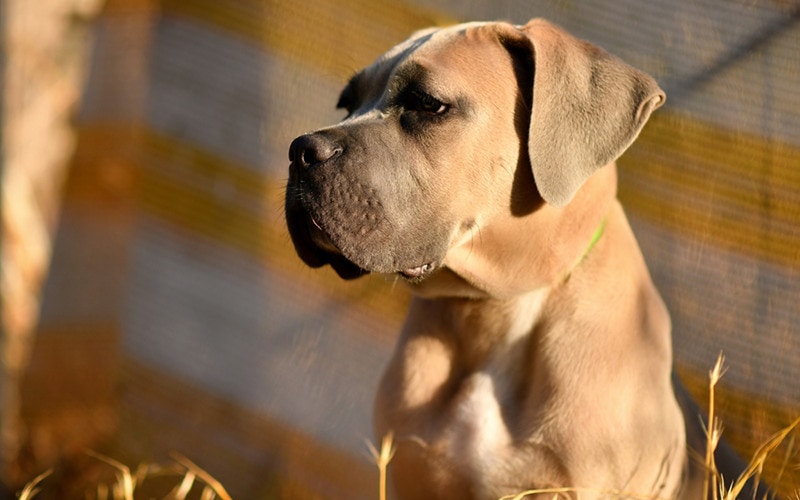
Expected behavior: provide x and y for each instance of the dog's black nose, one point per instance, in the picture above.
(312, 149)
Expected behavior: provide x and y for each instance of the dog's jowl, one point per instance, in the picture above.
(477, 162)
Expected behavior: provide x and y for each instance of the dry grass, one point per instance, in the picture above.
(32, 488)
(188, 475)
(714, 479)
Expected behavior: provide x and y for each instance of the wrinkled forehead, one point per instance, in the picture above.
(419, 47)
(432, 38)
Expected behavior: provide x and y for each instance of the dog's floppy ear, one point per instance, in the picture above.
(588, 107)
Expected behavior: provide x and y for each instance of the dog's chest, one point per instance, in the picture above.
(488, 438)
(465, 413)
(487, 432)
(484, 407)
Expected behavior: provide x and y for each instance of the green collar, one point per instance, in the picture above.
(595, 238)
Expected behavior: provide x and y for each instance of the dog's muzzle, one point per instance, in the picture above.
(312, 243)
(336, 215)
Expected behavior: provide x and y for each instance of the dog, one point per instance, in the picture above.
(477, 162)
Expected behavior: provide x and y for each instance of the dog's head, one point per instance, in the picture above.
(457, 140)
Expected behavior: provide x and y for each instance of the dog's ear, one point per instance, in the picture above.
(588, 107)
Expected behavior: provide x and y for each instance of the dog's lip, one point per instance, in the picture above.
(319, 236)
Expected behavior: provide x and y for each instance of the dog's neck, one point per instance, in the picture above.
(509, 254)
(446, 283)
(586, 277)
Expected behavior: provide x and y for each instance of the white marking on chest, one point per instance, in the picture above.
(478, 428)
(480, 434)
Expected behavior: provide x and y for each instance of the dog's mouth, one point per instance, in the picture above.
(323, 242)
(419, 273)
(316, 248)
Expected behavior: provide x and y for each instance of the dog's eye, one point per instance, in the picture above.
(425, 103)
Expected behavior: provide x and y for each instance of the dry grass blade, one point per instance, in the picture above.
(182, 490)
(32, 489)
(382, 460)
(555, 491)
(204, 476)
(559, 491)
(208, 494)
(714, 431)
(143, 472)
(786, 457)
(759, 457)
(125, 483)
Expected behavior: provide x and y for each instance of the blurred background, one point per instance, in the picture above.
(152, 302)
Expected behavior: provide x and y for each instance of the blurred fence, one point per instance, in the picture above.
(176, 317)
